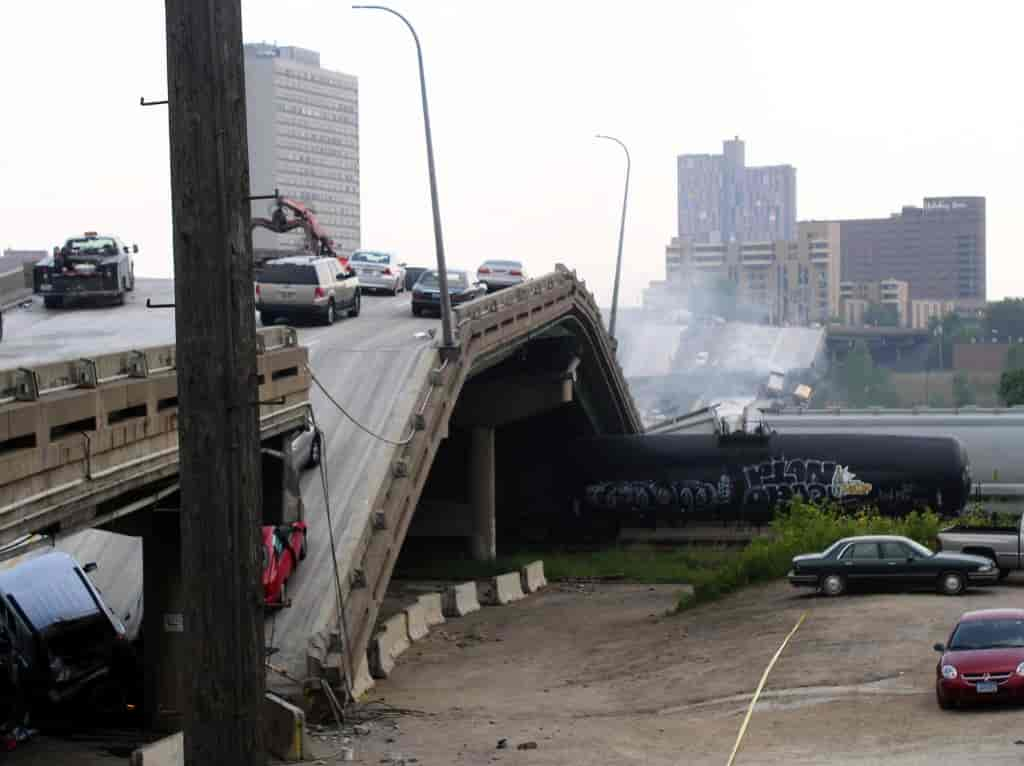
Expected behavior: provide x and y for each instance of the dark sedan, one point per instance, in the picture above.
(426, 293)
(984, 659)
(888, 561)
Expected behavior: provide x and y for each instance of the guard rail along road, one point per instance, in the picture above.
(487, 327)
(77, 437)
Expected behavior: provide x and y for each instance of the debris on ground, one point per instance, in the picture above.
(502, 743)
(527, 746)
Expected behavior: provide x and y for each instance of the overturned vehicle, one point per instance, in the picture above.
(59, 641)
(677, 479)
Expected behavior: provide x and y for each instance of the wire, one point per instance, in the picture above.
(342, 622)
(400, 443)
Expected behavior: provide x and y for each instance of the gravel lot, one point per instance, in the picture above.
(600, 674)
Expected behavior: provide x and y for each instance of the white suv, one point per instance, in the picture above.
(303, 286)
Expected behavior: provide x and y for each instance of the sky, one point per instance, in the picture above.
(877, 104)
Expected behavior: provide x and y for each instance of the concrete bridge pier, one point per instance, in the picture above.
(163, 627)
(483, 542)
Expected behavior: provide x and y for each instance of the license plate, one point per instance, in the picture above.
(987, 687)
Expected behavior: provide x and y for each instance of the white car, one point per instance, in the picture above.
(378, 271)
(497, 275)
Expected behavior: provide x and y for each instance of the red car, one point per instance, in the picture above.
(984, 659)
(283, 548)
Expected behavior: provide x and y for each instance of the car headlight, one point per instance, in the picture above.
(985, 568)
(1020, 669)
(949, 672)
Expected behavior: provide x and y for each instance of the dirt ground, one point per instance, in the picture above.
(600, 674)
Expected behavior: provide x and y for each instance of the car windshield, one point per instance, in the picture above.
(91, 245)
(287, 274)
(833, 548)
(365, 257)
(455, 279)
(988, 634)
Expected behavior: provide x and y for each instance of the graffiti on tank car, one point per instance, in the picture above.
(780, 480)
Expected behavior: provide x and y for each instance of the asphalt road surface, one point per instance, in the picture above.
(373, 365)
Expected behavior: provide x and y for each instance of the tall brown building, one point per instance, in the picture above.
(938, 249)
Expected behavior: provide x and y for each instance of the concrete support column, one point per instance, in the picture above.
(481, 494)
(163, 627)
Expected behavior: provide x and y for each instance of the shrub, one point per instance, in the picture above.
(799, 528)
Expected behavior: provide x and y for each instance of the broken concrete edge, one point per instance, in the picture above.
(532, 576)
(460, 600)
(501, 589)
(169, 751)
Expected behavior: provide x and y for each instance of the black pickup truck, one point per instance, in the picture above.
(92, 266)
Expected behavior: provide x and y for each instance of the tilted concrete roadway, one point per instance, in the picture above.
(365, 363)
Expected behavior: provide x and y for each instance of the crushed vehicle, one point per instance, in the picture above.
(284, 546)
(92, 266)
(60, 641)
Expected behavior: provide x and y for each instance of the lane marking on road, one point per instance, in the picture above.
(760, 686)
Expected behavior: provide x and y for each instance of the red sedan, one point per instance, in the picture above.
(984, 659)
(283, 548)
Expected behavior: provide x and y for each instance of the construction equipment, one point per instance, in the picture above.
(288, 215)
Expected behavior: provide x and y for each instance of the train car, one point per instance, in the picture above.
(677, 479)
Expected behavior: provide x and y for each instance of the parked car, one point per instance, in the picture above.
(983, 660)
(379, 271)
(284, 547)
(1003, 546)
(60, 640)
(497, 275)
(412, 275)
(875, 561)
(306, 286)
(426, 293)
(307, 446)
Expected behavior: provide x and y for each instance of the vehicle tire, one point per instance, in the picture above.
(329, 315)
(394, 290)
(302, 549)
(1004, 573)
(267, 319)
(416, 311)
(356, 304)
(315, 451)
(119, 301)
(53, 301)
(833, 585)
(951, 583)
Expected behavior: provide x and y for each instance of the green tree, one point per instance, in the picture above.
(882, 315)
(1015, 357)
(1011, 387)
(1005, 318)
(864, 382)
(963, 393)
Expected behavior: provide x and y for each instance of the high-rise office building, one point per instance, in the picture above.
(721, 199)
(303, 141)
(938, 249)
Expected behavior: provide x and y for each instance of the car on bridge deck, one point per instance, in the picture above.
(497, 275)
(307, 446)
(284, 546)
(426, 293)
(379, 271)
(306, 285)
(983, 661)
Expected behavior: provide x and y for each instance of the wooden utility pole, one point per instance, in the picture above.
(218, 426)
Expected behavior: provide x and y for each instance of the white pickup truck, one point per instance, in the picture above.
(1003, 545)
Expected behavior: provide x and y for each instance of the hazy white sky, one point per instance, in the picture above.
(877, 104)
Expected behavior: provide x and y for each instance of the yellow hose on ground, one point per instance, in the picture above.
(760, 686)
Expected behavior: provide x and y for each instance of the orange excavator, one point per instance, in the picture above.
(318, 242)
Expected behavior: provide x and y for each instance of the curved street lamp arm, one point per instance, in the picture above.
(622, 231)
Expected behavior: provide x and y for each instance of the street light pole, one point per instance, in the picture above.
(442, 271)
(622, 230)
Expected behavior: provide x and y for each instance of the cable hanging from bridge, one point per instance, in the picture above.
(400, 443)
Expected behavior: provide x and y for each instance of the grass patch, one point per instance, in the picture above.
(712, 571)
